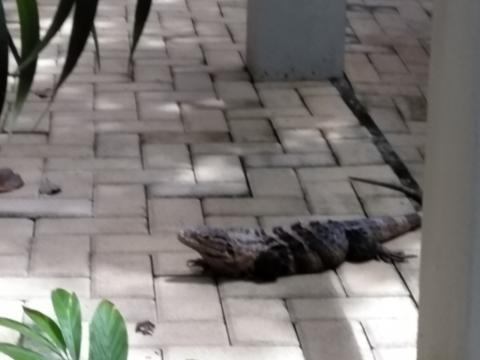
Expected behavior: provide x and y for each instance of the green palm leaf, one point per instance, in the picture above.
(48, 326)
(30, 36)
(108, 334)
(67, 310)
(63, 11)
(20, 353)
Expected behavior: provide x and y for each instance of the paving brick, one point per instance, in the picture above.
(193, 81)
(273, 309)
(206, 189)
(118, 145)
(21, 288)
(149, 176)
(163, 240)
(12, 310)
(391, 333)
(35, 208)
(218, 168)
(267, 331)
(240, 149)
(371, 279)
(116, 101)
(93, 164)
(359, 68)
(181, 333)
(274, 182)
(115, 275)
(187, 298)
(144, 354)
(60, 256)
(236, 93)
(327, 105)
(257, 130)
(383, 172)
(356, 152)
(396, 354)
(314, 122)
(379, 206)
(303, 140)
(232, 221)
(280, 98)
(333, 198)
(318, 285)
(173, 214)
(74, 184)
(255, 206)
(46, 151)
(234, 353)
(14, 265)
(352, 308)
(171, 137)
(198, 119)
(388, 63)
(91, 226)
(119, 200)
(175, 264)
(290, 160)
(335, 340)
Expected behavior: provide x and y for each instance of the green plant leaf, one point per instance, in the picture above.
(83, 18)
(63, 11)
(141, 15)
(20, 353)
(28, 332)
(67, 310)
(48, 326)
(4, 41)
(108, 334)
(30, 36)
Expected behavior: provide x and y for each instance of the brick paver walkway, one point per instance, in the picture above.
(192, 140)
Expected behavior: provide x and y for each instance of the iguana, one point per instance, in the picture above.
(312, 247)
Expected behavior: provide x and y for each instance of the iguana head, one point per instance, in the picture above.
(228, 252)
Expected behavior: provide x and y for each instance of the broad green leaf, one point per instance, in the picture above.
(108, 334)
(4, 40)
(97, 46)
(28, 332)
(30, 36)
(20, 353)
(67, 310)
(49, 327)
(83, 18)
(63, 11)
(141, 15)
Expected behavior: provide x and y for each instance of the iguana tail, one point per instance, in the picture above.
(411, 193)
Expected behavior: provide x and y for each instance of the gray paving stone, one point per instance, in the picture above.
(352, 308)
(382, 205)
(378, 172)
(290, 160)
(274, 182)
(234, 353)
(314, 122)
(371, 279)
(21, 288)
(218, 168)
(202, 120)
(169, 137)
(396, 354)
(115, 275)
(14, 265)
(232, 221)
(278, 98)
(91, 226)
(181, 333)
(46, 151)
(240, 149)
(13, 310)
(166, 156)
(119, 200)
(255, 206)
(334, 340)
(333, 198)
(144, 354)
(267, 331)
(172, 214)
(273, 309)
(74, 184)
(206, 189)
(391, 333)
(313, 285)
(187, 298)
(353, 152)
(303, 140)
(118, 145)
(60, 256)
(327, 105)
(36, 208)
(236, 93)
(148, 176)
(165, 240)
(93, 164)
(258, 130)
(174, 264)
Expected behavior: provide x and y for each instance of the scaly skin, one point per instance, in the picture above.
(306, 248)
